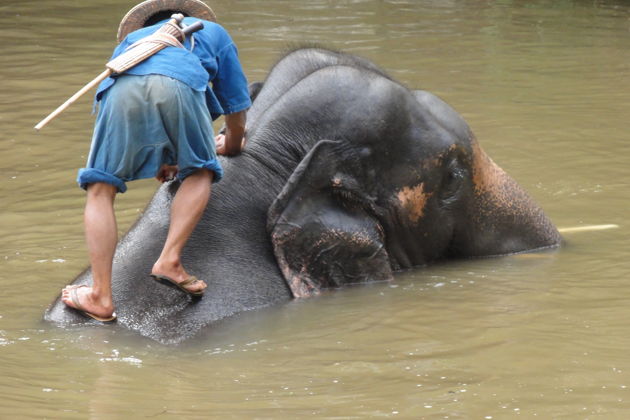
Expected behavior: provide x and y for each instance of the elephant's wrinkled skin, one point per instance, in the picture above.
(347, 177)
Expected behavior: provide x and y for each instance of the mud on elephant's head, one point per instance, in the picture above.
(356, 211)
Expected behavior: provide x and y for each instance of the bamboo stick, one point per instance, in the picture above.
(73, 98)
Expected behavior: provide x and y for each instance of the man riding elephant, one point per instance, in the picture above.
(347, 177)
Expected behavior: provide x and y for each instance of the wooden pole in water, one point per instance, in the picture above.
(73, 98)
(170, 34)
(587, 228)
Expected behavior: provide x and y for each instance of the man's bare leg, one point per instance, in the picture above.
(101, 237)
(188, 206)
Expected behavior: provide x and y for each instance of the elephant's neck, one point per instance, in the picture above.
(237, 211)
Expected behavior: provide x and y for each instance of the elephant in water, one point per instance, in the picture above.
(347, 177)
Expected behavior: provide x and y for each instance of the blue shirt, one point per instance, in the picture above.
(213, 60)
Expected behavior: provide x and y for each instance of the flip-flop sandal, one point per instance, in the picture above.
(78, 307)
(181, 286)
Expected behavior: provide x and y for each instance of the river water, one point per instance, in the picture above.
(545, 85)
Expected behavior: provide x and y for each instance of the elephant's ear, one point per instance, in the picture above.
(254, 89)
(323, 224)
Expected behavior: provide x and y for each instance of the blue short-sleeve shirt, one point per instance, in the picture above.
(211, 67)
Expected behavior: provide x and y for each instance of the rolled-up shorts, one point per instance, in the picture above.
(144, 122)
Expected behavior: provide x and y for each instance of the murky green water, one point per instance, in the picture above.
(545, 85)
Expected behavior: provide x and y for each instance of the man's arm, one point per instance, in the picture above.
(232, 142)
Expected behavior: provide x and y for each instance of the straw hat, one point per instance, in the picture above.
(138, 16)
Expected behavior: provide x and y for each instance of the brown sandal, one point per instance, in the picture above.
(181, 286)
(77, 306)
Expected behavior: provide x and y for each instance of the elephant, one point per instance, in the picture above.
(347, 177)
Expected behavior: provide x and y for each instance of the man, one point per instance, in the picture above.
(156, 120)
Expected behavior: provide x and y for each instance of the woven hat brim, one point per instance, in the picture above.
(139, 14)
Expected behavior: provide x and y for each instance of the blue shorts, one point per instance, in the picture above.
(144, 122)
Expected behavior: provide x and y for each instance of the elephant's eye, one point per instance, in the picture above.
(451, 181)
(346, 197)
(349, 193)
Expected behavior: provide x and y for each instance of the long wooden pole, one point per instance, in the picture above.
(73, 98)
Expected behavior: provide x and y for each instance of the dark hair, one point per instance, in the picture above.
(160, 16)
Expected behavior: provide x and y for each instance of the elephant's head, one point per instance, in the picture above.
(355, 211)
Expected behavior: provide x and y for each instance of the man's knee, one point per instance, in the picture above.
(101, 189)
(201, 174)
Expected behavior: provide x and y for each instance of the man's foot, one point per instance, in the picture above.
(188, 286)
(177, 276)
(82, 299)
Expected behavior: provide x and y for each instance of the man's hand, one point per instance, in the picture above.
(166, 173)
(232, 141)
(220, 144)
